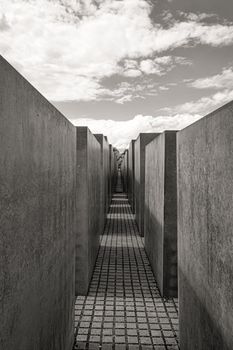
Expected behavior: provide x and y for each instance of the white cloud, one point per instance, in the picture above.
(120, 133)
(66, 47)
(224, 80)
(150, 67)
(132, 73)
(197, 16)
(123, 99)
(162, 64)
(203, 105)
(164, 88)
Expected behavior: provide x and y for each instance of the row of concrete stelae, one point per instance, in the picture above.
(179, 185)
(56, 185)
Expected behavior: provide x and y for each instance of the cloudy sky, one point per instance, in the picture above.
(123, 66)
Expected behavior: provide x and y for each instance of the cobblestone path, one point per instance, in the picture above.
(123, 309)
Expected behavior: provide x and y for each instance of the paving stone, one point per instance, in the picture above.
(133, 347)
(119, 339)
(94, 338)
(81, 337)
(94, 346)
(133, 340)
(107, 339)
(145, 340)
(106, 347)
(120, 347)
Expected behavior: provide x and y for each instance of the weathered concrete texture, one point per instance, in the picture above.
(205, 240)
(124, 170)
(37, 196)
(112, 170)
(108, 175)
(140, 144)
(88, 193)
(104, 179)
(111, 155)
(160, 219)
(131, 175)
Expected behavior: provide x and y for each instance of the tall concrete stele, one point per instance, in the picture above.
(89, 211)
(140, 144)
(104, 165)
(131, 175)
(205, 239)
(37, 196)
(160, 214)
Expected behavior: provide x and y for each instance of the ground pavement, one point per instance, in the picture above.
(123, 309)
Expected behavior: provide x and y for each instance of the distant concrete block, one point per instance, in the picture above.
(104, 178)
(140, 144)
(124, 170)
(131, 175)
(205, 207)
(112, 171)
(37, 196)
(88, 194)
(160, 220)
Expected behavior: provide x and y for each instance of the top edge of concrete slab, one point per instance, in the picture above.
(4, 62)
(226, 106)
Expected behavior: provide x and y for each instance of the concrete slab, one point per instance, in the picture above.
(112, 171)
(131, 176)
(124, 171)
(88, 194)
(140, 144)
(205, 206)
(160, 219)
(104, 178)
(37, 196)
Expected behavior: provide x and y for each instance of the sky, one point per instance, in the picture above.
(123, 67)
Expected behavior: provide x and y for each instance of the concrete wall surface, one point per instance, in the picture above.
(140, 144)
(112, 171)
(88, 194)
(131, 175)
(124, 171)
(110, 180)
(160, 215)
(205, 187)
(37, 205)
(104, 179)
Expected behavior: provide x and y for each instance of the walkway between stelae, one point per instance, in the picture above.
(123, 309)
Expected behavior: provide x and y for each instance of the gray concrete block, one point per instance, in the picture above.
(205, 240)
(124, 170)
(104, 179)
(160, 215)
(140, 144)
(88, 194)
(37, 187)
(131, 176)
(112, 170)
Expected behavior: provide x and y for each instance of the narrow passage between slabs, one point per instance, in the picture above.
(123, 309)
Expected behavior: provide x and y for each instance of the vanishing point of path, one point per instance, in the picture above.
(123, 309)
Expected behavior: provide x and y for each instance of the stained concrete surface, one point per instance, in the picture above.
(131, 176)
(112, 171)
(140, 144)
(205, 187)
(124, 170)
(104, 179)
(88, 193)
(37, 187)
(160, 219)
